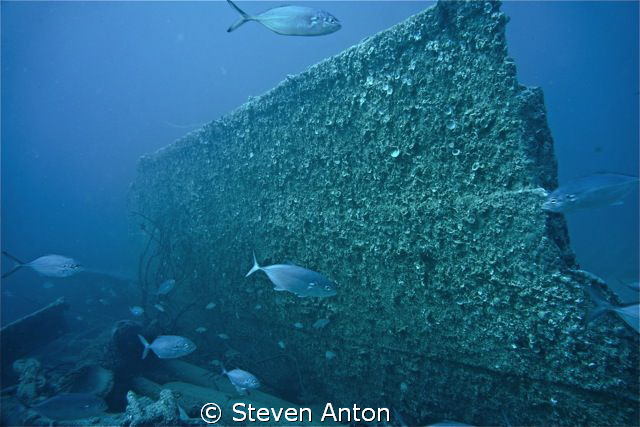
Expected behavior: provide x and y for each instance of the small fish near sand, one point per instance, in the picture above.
(295, 279)
(71, 406)
(48, 265)
(291, 20)
(168, 346)
(629, 313)
(599, 190)
(241, 380)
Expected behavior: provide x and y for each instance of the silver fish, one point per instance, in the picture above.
(166, 287)
(71, 406)
(607, 189)
(629, 313)
(48, 265)
(241, 380)
(168, 346)
(291, 20)
(296, 279)
(136, 310)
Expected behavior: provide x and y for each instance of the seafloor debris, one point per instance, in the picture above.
(142, 411)
(31, 379)
(41, 326)
(123, 349)
(90, 379)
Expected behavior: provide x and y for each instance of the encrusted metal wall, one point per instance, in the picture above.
(408, 169)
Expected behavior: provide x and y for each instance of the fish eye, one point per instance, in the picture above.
(553, 201)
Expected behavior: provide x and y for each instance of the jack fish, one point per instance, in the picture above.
(297, 280)
(241, 380)
(606, 189)
(168, 346)
(166, 287)
(136, 310)
(291, 20)
(48, 265)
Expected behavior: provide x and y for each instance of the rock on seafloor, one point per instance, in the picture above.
(142, 411)
(411, 169)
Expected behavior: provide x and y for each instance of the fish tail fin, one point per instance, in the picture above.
(255, 267)
(244, 17)
(237, 24)
(602, 306)
(16, 260)
(19, 264)
(146, 346)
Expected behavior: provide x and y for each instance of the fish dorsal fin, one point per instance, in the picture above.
(14, 259)
(257, 15)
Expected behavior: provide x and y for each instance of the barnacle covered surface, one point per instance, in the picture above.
(409, 169)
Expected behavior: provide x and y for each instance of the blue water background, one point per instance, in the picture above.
(88, 87)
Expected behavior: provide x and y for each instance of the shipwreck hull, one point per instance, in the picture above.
(409, 169)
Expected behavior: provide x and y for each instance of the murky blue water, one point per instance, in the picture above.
(87, 88)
